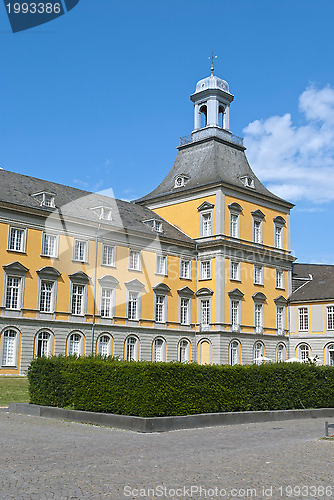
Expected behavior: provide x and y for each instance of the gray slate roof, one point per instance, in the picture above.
(17, 189)
(209, 162)
(312, 282)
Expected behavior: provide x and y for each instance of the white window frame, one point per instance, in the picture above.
(234, 224)
(161, 269)
(108, 347)
(206, 223)
(330, 354)
(19, 287)
(258, 275)
(330, 317)
(78, 343)
(133, 305)
(258, 317)
(279, 279)
(44, 253)
(23, 240)
(131, 348)
(205, 269)
(304, 352)
(303, 319)
(83, 300)
(183, 351)
(44, 339)
(257, 231)
(235, 314)
(9, 349)
(235, 270)
(76, 252)
(280, 316)
(280, 350)
(279, 233)
(160, 307)
(51, 294)
(185, 310)
(258, 350)
(185, 269)
(158, 350)
(205, 312)
(103, 301)
(135, 265)
(235, 352)
(110, 261)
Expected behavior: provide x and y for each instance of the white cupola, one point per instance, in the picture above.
(212, 101)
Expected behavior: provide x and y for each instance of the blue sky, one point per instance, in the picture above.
(99, 97)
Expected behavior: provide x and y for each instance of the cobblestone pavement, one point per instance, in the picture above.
(51, 459)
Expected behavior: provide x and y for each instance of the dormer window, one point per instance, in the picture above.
(180, 181)
(45, 199)
(104, 213)
(154, 224)
(248, 181)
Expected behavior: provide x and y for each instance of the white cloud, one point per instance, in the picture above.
(297, 162)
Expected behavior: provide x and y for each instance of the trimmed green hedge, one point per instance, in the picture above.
(160, 389)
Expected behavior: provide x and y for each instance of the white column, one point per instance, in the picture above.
(212, 112)
(197, 120)
(226, 118)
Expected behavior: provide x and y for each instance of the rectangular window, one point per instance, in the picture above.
(235, 270)
(280, 320)
(49, 245)
(77, 299)
(16, 241)
(205, 312)
(279, 279)
(184, 311)
(45, 301)
(258, 275)
(235, 315)
(134, 260)
(161, 265)
(13, 293)
(257, 231)
(108, 255)
(234, 221)
(80, 250)
(258, 318)
(278, 237)
(207, 224)
(303, 319)
(185, 269)
(206, 270)
(330, 318)
(133, 305)
(160, 308)
(106, 302)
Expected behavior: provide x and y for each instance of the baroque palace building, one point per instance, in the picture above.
(197, 270)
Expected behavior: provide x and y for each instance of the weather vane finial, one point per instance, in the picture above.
(213, 57)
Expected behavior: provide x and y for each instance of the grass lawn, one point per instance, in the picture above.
(13, 390)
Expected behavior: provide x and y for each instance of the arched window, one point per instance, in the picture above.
(9, 348)
(221, 112)
(75, 344)
(43, 344)
(204, 116)
(204, 352)
(304, 352)
(159, 350)
(235, 353)
(258, 352)
(184, 351)
(280, 353)
(105, 345)
(330, 355)
(131, 349)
